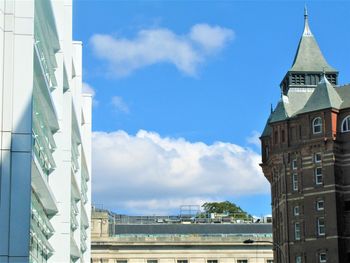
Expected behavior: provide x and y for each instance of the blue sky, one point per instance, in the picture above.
(189, 83)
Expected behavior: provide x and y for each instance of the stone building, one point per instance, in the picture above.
(178, 243)
(306, 158)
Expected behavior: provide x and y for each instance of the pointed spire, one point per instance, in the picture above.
(307, 31)
(309, 57)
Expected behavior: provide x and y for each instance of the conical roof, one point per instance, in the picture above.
(309, 56)
(280, 113)
(324, 97)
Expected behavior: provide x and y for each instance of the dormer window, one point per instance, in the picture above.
(317, 125)
(332, 78)
(345, 125)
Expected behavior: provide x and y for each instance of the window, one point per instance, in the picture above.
(152, 261)
(318, 175)
(320, 205)
(322, 257)
(267, 152)
(317, 158)
(242, 261)
(212, 261)
(298, 259)
(182, 261)
(321, 226)
(283, 136)
(345, 125)
(275, 138)
(296, 210)
(295, 182)
(297, 231)
(317, 125)
(269, 261)
(294, 164)
(122, 261)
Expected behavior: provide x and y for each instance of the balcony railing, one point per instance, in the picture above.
(73, 221)
(83, 233)
(48, 75)
(39, 218)
(42, 146)
(74, 207)
(84, 189)
(83, 246)
(41, 156)
(75, 157)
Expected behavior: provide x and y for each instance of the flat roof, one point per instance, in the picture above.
(193, 229)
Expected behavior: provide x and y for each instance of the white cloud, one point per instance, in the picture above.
(148, 174)
(119, 104)
(161, 45)
(211, 38)
(254, 139)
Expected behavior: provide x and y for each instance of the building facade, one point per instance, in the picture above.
(305, 157)
(178, 243)
(45, 129)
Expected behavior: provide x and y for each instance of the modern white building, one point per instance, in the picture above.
(45, 135)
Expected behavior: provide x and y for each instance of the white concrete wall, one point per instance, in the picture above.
(16, 81)
(86, 130)
(71, 102)
(16, 95)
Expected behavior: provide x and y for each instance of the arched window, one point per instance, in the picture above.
(317, 125)
(345, 125)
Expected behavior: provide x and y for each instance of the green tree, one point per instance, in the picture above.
(225, 207)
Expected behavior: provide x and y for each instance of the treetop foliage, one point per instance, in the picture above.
(225, 207)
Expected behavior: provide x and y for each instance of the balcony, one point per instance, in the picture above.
(74, 207)
(43, 151)
(84, 217)
(45, 35)
(40, 218)
(84, 170)
(83, 246)
(84, 189)
(38, 252)
(42, 189)
(74, 249)
(73, 221)
(83, 234)
(75, 157)
(42, 93)
(75, 188)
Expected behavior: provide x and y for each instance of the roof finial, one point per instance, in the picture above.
(307, 31)
(305, 12)
(324, 78)
(271, 110)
